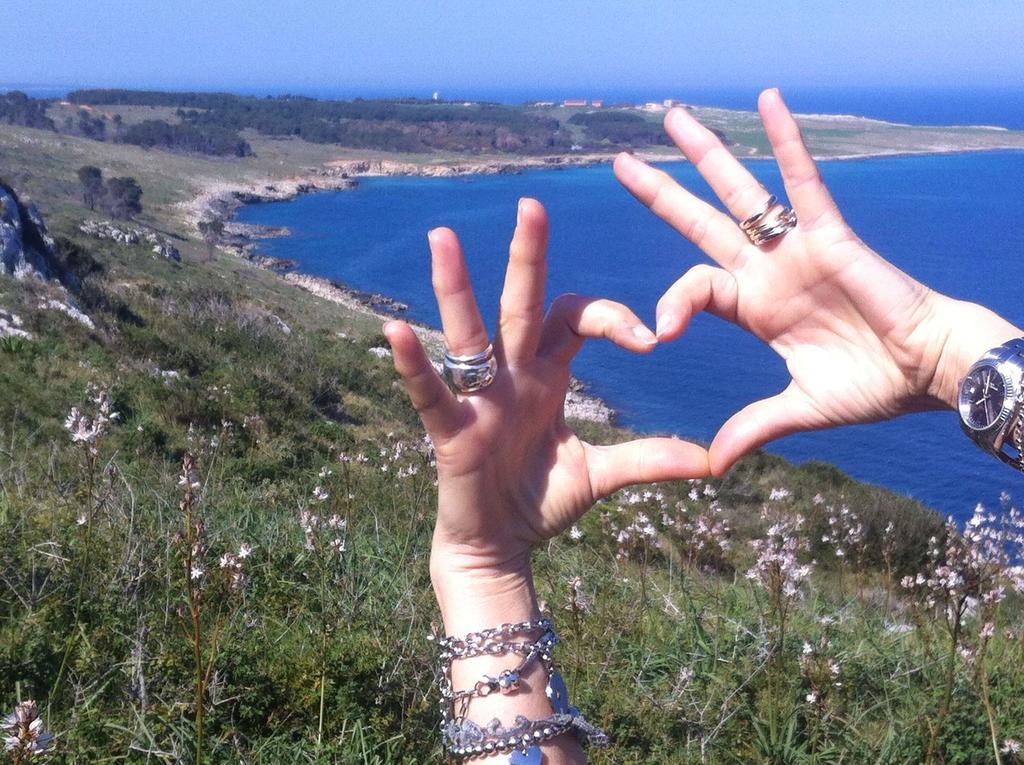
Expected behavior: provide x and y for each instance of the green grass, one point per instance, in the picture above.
(283, 407)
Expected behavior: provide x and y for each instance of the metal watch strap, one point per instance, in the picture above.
(1007, 350)
(1013, 430)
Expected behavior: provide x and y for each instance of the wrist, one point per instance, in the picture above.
(473, 594)
(971, 331)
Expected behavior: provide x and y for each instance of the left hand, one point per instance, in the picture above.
(511, 473)
(862, 340)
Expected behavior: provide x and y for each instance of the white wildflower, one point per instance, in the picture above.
(24, 734)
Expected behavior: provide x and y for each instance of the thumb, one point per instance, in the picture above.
(760, 422)
(646, 460)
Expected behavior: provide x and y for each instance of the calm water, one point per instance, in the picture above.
(951, 221)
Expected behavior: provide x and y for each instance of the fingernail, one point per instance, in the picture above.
(644, 335)
(665, 322)
(519, 211)
(627, 166)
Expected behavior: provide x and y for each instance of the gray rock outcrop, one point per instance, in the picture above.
(122, 234)
(165, 249)
(28, 252)
(26, 248)
(11, 325)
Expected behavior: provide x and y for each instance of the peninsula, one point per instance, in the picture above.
(199, 155)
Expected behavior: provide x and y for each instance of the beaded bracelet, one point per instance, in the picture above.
(470, 740)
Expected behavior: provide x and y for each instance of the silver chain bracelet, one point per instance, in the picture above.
(464, 738)
(508, 680)
(458, 646)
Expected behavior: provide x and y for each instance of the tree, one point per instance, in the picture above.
(16, 108)
(91, 179)
(90, 126)
(124, 197)
(211, 231)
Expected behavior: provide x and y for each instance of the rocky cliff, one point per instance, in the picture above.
(29, 253)
(27, 250)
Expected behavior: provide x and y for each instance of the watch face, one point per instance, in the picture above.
(982, 394)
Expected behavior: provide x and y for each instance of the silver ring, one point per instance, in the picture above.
(772, 229)
(468, 374)
(756, 218)
(770, 222)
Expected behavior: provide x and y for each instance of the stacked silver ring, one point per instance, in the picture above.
(770, 222)
(474, 372)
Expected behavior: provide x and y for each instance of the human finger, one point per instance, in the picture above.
(760, 422)
(740, 192)
(646, 460)
(438, 408)
(573, 318)
(521, 313)
(711, 230)
(807, 192)
(464, 331)
(702, 288)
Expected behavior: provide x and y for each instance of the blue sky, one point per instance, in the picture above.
(552, 47)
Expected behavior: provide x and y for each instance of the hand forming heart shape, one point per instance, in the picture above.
(862, 341)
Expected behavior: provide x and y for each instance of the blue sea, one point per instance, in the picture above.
(950, 221)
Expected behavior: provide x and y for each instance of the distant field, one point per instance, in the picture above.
(130, 115)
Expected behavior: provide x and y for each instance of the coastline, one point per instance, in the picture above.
(220, 200)
(284, 168)
(579, 404)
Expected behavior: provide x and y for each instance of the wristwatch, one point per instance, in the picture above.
(990, 402)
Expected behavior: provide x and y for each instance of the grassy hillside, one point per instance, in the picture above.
(247, 540)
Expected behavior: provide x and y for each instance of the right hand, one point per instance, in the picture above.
(862, 340)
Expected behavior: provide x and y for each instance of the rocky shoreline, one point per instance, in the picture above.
(220, 200)
(579, 404)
